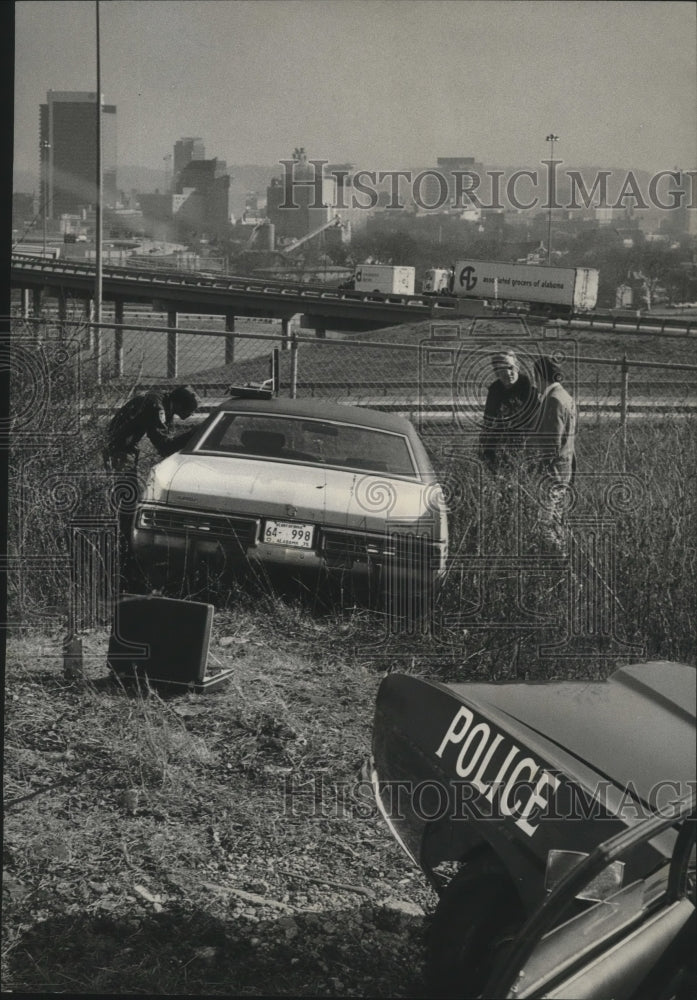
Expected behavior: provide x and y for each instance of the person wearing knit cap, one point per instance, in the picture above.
(509, 410)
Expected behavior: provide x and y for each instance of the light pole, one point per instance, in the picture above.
(167, 159)
(45, 146)
(551, 138)
(99, 209)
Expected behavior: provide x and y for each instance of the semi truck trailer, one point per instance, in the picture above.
(572, 289)
(388, 279)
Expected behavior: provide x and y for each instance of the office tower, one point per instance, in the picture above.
(68, 152)
(186, 149)
(201, 197)
(302, 200)
(459, 174)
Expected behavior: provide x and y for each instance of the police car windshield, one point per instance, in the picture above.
(304, 440)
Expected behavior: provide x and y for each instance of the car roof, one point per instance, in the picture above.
(322, 409)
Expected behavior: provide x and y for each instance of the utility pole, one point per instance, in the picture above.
(98, 220)
(168, 160)
(45, 146)
(551, 138)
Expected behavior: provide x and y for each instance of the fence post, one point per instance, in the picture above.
(285, 325)
(118, 338)
(98, 374)
(624, 394)
(172, 345)
(293, 364)
(275, 370)
(94, 335)
(229, 337)
(89, 319)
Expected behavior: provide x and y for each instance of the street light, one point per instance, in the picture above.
(551, 138)
(45, 146)
(167, 160)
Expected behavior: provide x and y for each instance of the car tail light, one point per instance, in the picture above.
(225, 527)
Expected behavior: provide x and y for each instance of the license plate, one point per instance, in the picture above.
(298, 536)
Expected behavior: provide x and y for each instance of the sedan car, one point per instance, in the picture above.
(497, 790)
(303, 488)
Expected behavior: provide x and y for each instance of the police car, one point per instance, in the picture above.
(496, 791)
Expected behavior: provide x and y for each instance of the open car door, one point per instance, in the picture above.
(635, 944)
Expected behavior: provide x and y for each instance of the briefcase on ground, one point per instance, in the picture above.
(164, 641)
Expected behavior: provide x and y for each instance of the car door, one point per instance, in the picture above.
(633, 944)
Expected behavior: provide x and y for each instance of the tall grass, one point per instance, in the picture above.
(505, 602)
(624, 589)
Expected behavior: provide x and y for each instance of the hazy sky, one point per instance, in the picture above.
(381, 83)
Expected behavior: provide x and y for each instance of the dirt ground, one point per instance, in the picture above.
(224, 843)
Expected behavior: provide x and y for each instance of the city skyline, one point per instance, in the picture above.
(380, 84)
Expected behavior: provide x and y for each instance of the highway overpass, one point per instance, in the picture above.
(174, 293)
(321, 308)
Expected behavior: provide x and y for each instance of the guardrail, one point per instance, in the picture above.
(663, 325)
(232, 283)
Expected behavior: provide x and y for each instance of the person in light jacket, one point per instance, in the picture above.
(555, 432)
(554, 443)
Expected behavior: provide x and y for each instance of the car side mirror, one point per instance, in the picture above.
(560, 863)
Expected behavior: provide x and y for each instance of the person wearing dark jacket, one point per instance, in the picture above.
(151, 415)
(148, 414)
(509, 410)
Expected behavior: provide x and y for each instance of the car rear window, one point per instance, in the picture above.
(297, 439)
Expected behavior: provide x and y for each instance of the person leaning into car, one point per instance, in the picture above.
(511, 403)
(151, 415)
(148, 414)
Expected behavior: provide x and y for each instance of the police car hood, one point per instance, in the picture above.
(637, 729)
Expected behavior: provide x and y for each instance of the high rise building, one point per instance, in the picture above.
(305, 198)
(68, 152)
(201, 197)
(678, 217)
(186, 149)
(459, 174)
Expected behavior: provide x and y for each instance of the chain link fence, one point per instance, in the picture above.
(423, 372)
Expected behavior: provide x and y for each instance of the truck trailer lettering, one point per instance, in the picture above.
(575, 288)
(477, 747)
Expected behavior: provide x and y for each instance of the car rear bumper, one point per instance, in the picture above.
(234, 544)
